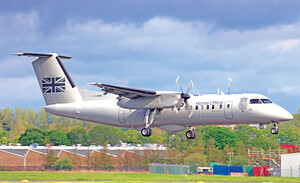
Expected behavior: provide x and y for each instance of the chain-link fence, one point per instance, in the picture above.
(169, 168)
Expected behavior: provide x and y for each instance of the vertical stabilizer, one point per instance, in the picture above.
(54, 80)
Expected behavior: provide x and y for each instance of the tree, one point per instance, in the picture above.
(6, 119)
(51, 159)
(3, 141)
(3, 133)
(32, 117)
(212, 152)
(78, 135)
(64, 164)
(222, 136)
(106, 160)
(240, 149)
(44, 118)
(58, 137)
(101, 134)
(196, 159)
(133, 137)
(265, 140)
(227, 151)
(239, 161)
(247, 134)
(32, 135)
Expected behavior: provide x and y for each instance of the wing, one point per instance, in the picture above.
(130, 93)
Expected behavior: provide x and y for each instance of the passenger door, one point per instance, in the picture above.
(228, 110)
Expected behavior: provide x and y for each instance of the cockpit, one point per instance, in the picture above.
(260, 101)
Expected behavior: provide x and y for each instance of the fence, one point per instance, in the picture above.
(169, 168)
(79, 168)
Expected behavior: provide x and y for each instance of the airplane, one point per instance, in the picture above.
(142, 110)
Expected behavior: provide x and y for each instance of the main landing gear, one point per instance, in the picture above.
(191, 134)
(146, 132)
(149, 118)
(275, 129)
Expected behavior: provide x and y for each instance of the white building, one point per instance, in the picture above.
(290, 165)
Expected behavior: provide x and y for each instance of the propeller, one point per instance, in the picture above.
(184, 97)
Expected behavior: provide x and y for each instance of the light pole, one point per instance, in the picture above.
(230, 153)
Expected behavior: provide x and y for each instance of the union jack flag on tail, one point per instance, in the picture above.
(53, 84)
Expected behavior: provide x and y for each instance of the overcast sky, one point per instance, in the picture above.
(147, 44)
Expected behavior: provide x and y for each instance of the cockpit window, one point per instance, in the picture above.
(255, 101)
(266, 101)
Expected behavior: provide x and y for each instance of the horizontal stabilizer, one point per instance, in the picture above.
(41, 55)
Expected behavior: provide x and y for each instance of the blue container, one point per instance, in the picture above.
(235, 169)
(221, 170)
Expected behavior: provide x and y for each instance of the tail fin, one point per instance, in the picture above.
(54, 80)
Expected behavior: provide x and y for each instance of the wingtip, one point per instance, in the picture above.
(18, 54)
(93, 83)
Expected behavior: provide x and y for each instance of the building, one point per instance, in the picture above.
(123, 158)
(290, 165)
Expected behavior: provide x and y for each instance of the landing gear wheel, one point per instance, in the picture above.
(190, 134)
(146, 132)
(274, 131)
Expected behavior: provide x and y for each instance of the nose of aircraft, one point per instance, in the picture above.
(282, 114)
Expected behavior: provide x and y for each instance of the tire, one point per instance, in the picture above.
(190, 134)
(274, 131)
(146, 132)
(150, 132)
(194, 134)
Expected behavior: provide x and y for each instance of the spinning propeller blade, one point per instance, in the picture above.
(184, 97)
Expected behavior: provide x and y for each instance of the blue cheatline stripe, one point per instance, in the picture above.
(66, 72)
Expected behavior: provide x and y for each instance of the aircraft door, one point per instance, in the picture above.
(228, 110)
(121, 115)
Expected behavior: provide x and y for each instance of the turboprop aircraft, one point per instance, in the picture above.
(142, 109)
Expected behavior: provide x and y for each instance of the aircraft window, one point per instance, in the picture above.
(228, 106)
(202, 107)
(196, 107)
(207, 107)
(266, 101)
(255, 101)
(213, 106)
(221, 106)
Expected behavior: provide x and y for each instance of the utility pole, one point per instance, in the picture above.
(89, 155)
(230, 153)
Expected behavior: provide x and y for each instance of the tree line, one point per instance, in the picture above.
(213, 143)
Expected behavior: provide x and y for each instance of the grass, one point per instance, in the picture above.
(132, 177)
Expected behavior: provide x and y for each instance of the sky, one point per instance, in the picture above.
(147, 44)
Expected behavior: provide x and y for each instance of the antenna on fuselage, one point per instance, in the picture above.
(229, 84)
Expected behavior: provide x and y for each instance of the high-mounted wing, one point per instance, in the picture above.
(130, 93)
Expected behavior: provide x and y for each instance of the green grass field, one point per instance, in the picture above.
(132, 177)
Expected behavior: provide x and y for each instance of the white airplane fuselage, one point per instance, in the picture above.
(207, 110)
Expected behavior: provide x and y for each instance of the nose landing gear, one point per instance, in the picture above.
(191, 134)
(275, 130)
